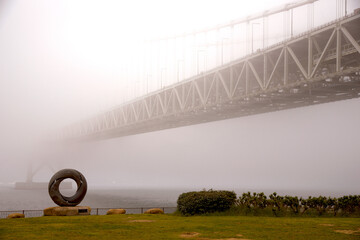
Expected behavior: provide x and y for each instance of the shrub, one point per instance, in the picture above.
(256, 200)
(293, 203)
(304, 205)
(320, 204)
(192, 203)
(349, 204)
(276, 202)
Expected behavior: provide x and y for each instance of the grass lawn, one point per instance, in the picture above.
(177, 227)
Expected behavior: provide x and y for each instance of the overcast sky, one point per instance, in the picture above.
(60, 61)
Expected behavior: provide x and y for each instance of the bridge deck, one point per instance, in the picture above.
(319, 66)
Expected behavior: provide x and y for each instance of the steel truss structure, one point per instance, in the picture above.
(319, 66)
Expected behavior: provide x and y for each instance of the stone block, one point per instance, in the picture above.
(67, 211)
(16, 215)
(116, 211)
(154, 211)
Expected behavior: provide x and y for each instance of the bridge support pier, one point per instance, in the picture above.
(30, 184)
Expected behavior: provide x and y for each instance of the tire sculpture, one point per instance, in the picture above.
(54, 184)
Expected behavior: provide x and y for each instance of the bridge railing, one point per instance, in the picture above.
(171, 59)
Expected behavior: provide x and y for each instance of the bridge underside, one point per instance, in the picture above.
(319, 66)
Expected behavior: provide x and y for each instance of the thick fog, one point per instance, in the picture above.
(63, 61)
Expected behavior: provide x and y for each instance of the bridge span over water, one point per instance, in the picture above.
(317, 66)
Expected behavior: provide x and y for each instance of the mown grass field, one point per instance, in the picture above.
(178, 227)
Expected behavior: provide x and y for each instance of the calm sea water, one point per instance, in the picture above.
(12, 199)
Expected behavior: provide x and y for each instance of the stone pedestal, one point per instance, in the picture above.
(154, 211)
(67, 211)
(116, 211)
(16, 215)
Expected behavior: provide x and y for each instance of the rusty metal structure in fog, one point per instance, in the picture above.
(319, 65)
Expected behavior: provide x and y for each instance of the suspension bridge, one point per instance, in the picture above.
(262, 63)
(319, 65)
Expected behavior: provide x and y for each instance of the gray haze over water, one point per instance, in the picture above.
(310, 148)
(105, 197)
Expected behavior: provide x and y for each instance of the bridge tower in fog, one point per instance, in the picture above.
(31, 184)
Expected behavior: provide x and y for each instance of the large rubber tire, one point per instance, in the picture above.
(54, 184)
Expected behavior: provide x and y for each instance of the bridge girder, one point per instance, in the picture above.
(318, 66)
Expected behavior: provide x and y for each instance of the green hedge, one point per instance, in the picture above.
(210, 201)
